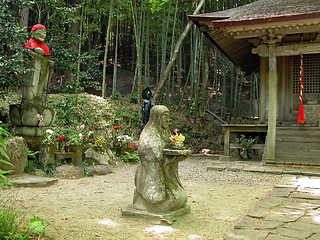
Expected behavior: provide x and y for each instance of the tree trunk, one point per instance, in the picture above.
(138, 25)
(114, 79)
(75, 30)
(23, 17)
(105, 57)
(175, 54)
(147, 50)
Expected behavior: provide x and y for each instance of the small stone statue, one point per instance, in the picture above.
(158, 188)
(146, 106)
(24, 115)
(37, 80)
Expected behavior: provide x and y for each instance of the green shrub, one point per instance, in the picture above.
(3, 178)
(15, 226)
(130, 157)
(9, 228)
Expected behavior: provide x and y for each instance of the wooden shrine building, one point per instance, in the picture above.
(272, 35)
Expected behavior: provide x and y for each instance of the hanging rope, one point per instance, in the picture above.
(301, 116)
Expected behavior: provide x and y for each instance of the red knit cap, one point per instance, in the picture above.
(37, 26)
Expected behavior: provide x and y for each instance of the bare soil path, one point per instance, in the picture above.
(89, 208)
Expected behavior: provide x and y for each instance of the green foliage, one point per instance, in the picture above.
(90, 111)
(130, 157)
(66, 59)
(32, 155)
(245, 143)
(3, 178)
(116, 95)
(32, 163)
(83, 167)
(37, 225)
(14, 227)
(9, 228)
(157, 5)
(85, 118)
(49, 168)
(12, 64)
(134, 97)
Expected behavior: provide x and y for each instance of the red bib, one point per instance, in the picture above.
(33, 43)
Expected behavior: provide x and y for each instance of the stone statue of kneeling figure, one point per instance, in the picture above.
(158, 188)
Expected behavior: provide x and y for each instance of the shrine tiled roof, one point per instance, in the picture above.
(259, 13)
(266, 10)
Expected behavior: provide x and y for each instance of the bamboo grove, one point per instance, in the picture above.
(92, 40)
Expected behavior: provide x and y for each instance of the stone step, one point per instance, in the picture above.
(32, 181)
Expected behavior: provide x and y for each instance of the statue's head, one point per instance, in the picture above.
(159, 115)
(146, 93)
(39, 32)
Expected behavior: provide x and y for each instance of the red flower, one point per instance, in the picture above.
(132, 145)
(116, 127)
(62, 138)
(175, 131)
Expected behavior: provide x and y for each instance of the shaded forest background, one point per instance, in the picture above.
(118, 47)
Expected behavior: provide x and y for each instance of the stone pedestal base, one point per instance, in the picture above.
(157, 218)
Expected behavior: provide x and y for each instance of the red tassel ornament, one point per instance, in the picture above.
(301, 119)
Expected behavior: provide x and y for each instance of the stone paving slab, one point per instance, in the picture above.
(305, 195)
(315, 237)
(292, 233)
(269, 225)
(219, 167)
(304, 226)
(236, 167)
(258, 166)
(290, 211)
(247, 234)
(292, 171)
(247, 223)
(273, 170)
(254, 168)
(275, 236)
(284, 215)
(311, 172)
(282, 192)
(300, 204)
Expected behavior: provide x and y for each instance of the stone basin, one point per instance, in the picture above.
(177, 152)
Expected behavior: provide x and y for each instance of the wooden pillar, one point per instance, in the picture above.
(227, 141)
(282, 88)
(272, 109)
(262, 89)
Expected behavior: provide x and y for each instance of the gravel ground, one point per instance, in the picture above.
(89, 208)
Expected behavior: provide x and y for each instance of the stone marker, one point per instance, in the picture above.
(17, 152)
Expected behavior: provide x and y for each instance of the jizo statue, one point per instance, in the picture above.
(35, 83)
(37, 80)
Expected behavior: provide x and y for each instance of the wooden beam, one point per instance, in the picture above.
(289, 49)
(280, 28)
(257, 33)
